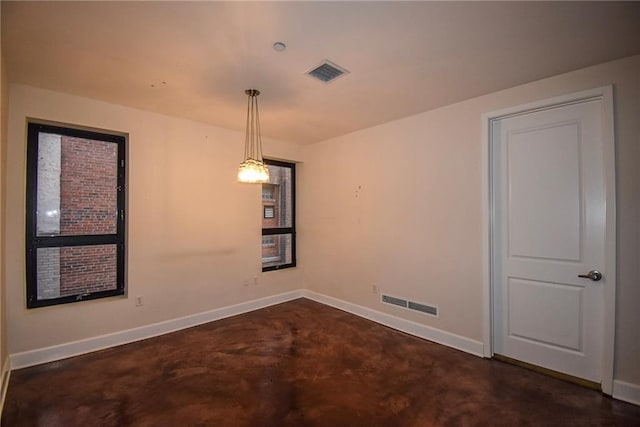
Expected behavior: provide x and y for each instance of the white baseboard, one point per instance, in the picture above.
(621, 390)
(4, 383)
(626, 391)
(75, 348)
(416, 329)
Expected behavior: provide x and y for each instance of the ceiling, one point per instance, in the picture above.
(195, 59)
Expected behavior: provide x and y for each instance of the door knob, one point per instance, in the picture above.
(594, 275)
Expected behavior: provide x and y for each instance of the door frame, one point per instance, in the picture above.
(605, 95)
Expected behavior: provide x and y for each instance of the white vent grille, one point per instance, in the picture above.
(410, 305)
(327, 72)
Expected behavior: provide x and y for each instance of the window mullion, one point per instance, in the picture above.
(60, 241)
(272, 231)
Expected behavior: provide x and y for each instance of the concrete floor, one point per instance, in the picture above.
(297, 364)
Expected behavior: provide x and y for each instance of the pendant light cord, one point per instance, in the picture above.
(253, 140)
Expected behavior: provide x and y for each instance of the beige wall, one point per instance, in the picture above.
(400, 206)
(369, 214)
(4, 97)
(194, 233)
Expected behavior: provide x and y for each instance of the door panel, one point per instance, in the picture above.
(547, 313)
(544, 192)
(549, 227)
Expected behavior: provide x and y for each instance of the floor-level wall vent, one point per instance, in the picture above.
(395, 301)
(423, 308)
(410, 305)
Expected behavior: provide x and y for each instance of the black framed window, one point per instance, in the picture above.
(75, 217)
(279, 217)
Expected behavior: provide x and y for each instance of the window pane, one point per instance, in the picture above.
(277, 196)
(76, 186)
(268, 191)
(73, 270)
(278, 251)
(268, 241)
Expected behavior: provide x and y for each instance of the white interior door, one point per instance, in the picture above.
(549, 226)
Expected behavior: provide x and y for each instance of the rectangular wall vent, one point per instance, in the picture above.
(395, 301)
(327, 72)
(411, 305)
(423, 308)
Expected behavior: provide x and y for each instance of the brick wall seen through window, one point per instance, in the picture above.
(75, 214)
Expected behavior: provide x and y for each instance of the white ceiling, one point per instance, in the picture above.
(195, 59)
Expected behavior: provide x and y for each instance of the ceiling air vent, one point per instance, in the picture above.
(327, 72)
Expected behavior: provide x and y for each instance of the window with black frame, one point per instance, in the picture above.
(75, 218)
(279, 217)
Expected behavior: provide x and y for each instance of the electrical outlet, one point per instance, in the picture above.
(245, 282)
(139, 301)
(255, 280)
(374, 288)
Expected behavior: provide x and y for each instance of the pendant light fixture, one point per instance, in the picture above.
(253, 168)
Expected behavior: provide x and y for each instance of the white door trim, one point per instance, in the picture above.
(605, 94)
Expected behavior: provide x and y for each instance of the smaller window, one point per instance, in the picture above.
(278, 222)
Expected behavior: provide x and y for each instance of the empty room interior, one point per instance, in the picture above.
(319, 213)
